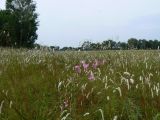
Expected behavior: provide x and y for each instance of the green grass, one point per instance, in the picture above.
(40, 85)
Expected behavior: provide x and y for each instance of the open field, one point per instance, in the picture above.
(108, 85)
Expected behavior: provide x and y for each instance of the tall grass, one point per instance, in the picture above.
(41, 85)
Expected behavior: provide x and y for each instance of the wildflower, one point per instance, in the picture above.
(66, 103)
(85, 66)
(95, 64)
(91, 76)
(77, 69)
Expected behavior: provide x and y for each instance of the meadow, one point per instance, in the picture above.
(97, 85)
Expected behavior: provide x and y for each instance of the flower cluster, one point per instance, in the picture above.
(88, 67)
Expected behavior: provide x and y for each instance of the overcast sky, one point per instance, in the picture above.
(70, 22)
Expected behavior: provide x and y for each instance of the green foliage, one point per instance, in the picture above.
(132, 43)
(7, 30)
(19, 21)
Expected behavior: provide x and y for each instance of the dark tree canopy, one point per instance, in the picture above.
(7, 30)
(20, 24)
(132, 43)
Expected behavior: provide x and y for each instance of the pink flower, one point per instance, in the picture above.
(95, 64)
(91, 76)
(98, 63)
(85, 66)
(77, 69)
(66, 103)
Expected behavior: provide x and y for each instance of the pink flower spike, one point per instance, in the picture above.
(77, 69)
(66, 104)
(95, 64)
(85, 66)
(91, 76)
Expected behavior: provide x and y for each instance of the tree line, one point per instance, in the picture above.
(18, 24)
(132, 43)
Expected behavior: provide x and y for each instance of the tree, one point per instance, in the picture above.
(123, 46)
(7, 31)
(105, 44)
(142, 44)
(98, 46)
(112, 44)
(26, 21)
(109, 44)
(86, 45)
(156, 44)
(133, 43)
(150, 42)
(93, 46)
